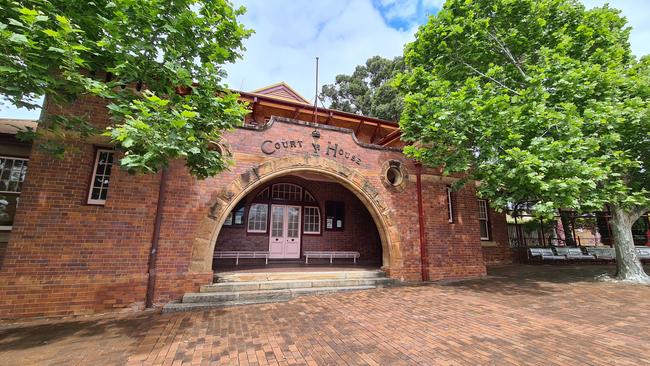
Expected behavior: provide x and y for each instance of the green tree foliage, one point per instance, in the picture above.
(540, 100)
(368, 91)
(63, 50)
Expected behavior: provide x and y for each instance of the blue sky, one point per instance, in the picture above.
(343, 33)
(399, 14)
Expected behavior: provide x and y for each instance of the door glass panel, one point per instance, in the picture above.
(277, 219)
(293, 226)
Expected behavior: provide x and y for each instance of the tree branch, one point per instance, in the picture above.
(507, 52)
(488, 77)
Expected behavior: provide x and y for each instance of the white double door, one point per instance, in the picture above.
(284, 241)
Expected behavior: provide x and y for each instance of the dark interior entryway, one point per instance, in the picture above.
(294, 215)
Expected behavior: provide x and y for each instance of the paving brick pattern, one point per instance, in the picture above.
(534, 315)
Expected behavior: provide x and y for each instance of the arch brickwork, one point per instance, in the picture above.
(225, 201)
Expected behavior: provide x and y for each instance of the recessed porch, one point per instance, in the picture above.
(300, 222)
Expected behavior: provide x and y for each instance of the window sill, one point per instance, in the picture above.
(489, 243)
(101, 204)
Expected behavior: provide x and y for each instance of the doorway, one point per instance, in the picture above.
(284, 241)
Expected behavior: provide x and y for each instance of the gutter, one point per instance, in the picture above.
(153, 253)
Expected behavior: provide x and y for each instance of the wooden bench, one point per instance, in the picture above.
(331, 255)
(241, 254)
(602, 253)
(574, 253)
(545, 254)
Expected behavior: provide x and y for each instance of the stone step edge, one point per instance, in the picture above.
(284, 294)
(177, 307)
(216, 287)
(264, 276)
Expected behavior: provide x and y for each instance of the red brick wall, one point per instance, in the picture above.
(67, 257)
(453, 249)
(359, 234)
(497, 249)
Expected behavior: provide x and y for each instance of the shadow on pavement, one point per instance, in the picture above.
(533, 280)
(22, 336)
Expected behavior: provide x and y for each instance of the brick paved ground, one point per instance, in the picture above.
(519, 315)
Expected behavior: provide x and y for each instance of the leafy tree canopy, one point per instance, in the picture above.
(368, 91)
(63, 49)
(540, 100)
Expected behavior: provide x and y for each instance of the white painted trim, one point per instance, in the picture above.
(248, 218)
(284, 199)
(320, 219)
(13, 158)
(285, 232)
(91, 201)
(450, 206)
(486, 219)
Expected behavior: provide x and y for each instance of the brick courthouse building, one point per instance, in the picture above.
(75, 244)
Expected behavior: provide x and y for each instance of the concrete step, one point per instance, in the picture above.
(193, 301)
(288, 276)
(235, 296)
(240, 288)
(264, 295)
(175, 307)
(325, 290)
(294, 284)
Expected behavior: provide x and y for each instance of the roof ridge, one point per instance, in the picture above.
(291, 90)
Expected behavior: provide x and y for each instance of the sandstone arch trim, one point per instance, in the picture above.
(357, 183)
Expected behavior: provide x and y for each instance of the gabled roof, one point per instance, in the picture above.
(281, 91)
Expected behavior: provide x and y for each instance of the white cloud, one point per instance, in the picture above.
(290, 34)
(343, 33)
(433, 3)
(400, 9)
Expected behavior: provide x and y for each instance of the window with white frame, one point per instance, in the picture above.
(450, 206)
(257, 218)
(286, 192)
(101, 177)
(483, 219)
(311, 222)
(12, 176)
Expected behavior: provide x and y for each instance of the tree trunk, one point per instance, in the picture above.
(567, 228)
(628, 265)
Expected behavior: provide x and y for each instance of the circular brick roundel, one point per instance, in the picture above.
(357, 183)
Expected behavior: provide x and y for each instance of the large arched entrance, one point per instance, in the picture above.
(224, 205)
(296, 215)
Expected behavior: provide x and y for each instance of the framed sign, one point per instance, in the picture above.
(335, 215)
